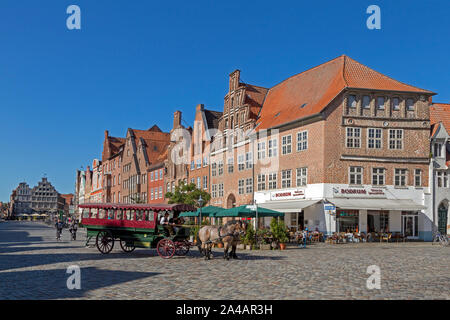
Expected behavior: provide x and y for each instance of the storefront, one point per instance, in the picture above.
(347, 220)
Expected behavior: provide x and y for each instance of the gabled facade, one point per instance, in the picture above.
(231, 157)
(112, 168)
(439, 167)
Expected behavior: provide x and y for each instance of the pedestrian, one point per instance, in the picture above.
(59, 227)
(74, 228)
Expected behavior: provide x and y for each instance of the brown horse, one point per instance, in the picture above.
(230, 234)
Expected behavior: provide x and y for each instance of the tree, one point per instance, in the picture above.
(188, 194)
(136, 199)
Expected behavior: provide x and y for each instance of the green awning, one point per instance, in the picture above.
(208, 211)
(249, 212)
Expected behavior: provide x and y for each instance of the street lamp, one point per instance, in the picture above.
(200, 203)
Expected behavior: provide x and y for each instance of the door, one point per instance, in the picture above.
(410, 224)
(442, 220)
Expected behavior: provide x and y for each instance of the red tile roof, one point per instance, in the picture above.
(308, 93)
(440, 112)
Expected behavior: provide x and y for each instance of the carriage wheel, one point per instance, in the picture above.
(182, 248)
(125, 247)
(165, 248)
(104, 242)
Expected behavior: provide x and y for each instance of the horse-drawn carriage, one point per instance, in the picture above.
(135, 226)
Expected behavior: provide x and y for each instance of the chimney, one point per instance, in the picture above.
(106, 134)
(200, 107)
(177, 119)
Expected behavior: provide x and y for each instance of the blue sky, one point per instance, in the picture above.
(133, 63)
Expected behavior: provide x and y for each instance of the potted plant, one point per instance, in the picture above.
(279, 232)
(249, 238)
(194, 233)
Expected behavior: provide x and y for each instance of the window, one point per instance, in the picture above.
(395, 138)
(261, 150)
(220, 167)
(374, 138)
(199, 181)
(261, 182)
(151, 194)
(199, 163)
(286, 143)
(205, 182)
(302, 175)
(378, 176)
(160, 193)
(286, 178)
(249, 185)
(438, 149)
(230, 163)
(220, 189)
(214, 190)
(213, 169)
(356, 174)
(380, 103)
(151, 176)
(273, 148)
(156, 175)
(241, 186)
(241, 165)
(248, 160)
(205, 161)
(418, 178)
(351, 101)
(409, 105)
(395, 104)
(302, 140)
(353, 139)
(400, 177)
(272, 178)
(160, 174)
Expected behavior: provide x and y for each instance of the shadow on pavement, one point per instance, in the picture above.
(52, 284)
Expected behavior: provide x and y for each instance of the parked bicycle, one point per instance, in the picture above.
(442, 239)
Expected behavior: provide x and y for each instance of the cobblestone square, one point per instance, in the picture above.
(33, 266)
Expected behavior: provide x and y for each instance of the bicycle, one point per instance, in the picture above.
(441, 238)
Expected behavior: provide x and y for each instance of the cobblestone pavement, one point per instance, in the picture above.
(33, 266)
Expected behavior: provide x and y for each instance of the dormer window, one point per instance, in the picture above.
(410, 105)
(380, 103)
(351, 101)
(395, 104)
(438, 150)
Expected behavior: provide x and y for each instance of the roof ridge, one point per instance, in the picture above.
(388, 77)
(308, 70)
(343, 71)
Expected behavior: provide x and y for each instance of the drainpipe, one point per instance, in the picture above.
(433, 199)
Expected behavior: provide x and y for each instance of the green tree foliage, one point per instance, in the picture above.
(188, 194)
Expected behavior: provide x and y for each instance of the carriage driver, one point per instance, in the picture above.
(165, 222)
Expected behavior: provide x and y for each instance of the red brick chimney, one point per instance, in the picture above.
(177, 119)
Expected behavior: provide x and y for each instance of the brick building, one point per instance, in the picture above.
(142, 148)
(206, 123)
(231, 151)
(440, 167)
(112, 164)
(351, 140)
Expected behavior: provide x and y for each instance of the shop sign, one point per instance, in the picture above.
(287, 195)
(359, 192)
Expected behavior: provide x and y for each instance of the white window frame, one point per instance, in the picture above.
(352, 171)
(261, 182)
(261, 150)
(272, 180)
(302, 140)
(286, 178)
(350, 136)
(418, 175)
(400, 175)
(395, 140)
(286, 144)
(272, 148)
(302, 177)
(377, 175)
(372, 141)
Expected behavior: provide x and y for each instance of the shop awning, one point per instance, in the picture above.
(377, 204)
(288, 206)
